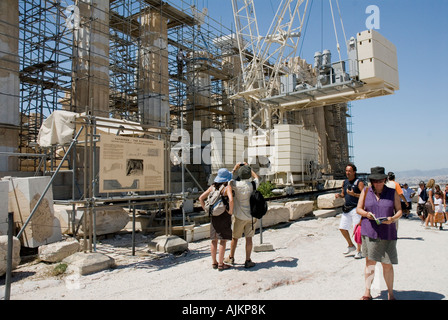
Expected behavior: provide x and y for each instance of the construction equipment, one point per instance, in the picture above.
(274, 80)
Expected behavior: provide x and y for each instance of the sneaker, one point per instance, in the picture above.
(358, 255)
(229, 259)
(249, 264)
(349, 249)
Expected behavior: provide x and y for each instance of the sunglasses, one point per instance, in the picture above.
(377, 181)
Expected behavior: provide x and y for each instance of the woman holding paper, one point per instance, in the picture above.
(380, 208)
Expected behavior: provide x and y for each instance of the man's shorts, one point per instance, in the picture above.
(421, 209)
(241, 227)
(349, 220)
(403, 205)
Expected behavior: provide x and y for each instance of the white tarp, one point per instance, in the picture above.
(58, 128)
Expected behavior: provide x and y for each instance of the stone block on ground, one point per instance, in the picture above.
(58, 251)
(168, 244)
(4, 187)
(329, 201)
(263, 247)
(277, 213)
(326, 213)
(198, 232)
(110, 219)
(4, 253)
(86, 263)
(24, 193)
(298, 209)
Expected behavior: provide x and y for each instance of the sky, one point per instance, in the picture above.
(400, 132)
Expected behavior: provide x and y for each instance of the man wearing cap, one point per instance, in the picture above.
(242, 219)
(351, 190)
(421, 209)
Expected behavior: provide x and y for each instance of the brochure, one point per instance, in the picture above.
(378, 220)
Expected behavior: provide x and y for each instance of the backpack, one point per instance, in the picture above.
(424, 195)
(258, 204)
(215, 204)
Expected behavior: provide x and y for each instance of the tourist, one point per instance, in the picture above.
(439, 209)
(380, 208)
(446, 200)
(391, 183)
(430, 203)
(422, 198)
(220, 226)
(408, 193)
(351, 190)
(243, 222)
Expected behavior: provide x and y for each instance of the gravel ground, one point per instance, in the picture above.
(307, 264)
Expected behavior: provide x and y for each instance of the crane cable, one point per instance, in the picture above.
(342, 25)
(335, 31)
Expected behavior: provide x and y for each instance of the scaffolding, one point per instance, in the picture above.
(58, 59)
(117, 59)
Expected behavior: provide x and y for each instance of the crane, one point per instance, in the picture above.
(259, 75)
(271, 87)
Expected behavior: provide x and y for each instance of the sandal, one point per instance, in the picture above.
(215, 265)
(223, 267)
(366, 298)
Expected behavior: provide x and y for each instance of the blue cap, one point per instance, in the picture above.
(224, 175)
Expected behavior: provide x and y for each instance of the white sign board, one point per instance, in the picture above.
(131, 164)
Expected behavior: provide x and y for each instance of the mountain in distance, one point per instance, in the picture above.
(413, 177)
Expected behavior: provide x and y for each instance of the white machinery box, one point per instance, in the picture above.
(377, 59)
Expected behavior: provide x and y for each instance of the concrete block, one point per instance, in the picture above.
(85, 263)
(263, 247)
(298, 209)
(4, 253)
(58, 251)
(326, 213)
(277, 213)
(198, 233)
(109, 219)
(43, 228)
(168, 244)
(329, 201)
(4, 187)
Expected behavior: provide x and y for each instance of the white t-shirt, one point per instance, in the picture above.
(407, 194)
(241, 205)
(438, 205)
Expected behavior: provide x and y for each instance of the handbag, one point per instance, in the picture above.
(357, 234)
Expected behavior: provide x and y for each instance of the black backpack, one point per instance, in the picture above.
(258, 204)
(424, 195)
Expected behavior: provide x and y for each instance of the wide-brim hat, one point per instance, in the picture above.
(224, 175)
(377, 173)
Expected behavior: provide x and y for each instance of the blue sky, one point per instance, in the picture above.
(403, 131)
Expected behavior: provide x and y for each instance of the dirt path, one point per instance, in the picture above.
(307, 264)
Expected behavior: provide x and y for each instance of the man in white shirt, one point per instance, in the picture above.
(408, 193)
(242, 219)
